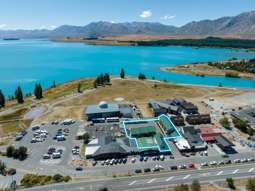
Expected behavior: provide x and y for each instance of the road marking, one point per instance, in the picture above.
(150, 181)
(219, 173)
(170, 178)
(235, 171)
(187, 176)
(251, 170)
(132, 183)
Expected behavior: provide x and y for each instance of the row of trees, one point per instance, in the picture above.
(18, 95)
(102, 79)
(20, 153)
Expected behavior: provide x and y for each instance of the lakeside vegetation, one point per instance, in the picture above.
(237, 65)
(205, 42)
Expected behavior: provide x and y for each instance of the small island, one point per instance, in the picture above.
(233, 68)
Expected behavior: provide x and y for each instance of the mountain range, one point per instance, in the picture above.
(242, 25)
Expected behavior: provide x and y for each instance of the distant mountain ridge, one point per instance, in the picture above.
(240, 25)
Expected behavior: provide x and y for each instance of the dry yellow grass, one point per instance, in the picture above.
(135, 91)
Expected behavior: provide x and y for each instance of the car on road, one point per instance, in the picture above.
(138, 171)
(79, 168)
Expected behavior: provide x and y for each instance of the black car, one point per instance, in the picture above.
(228, 162)
(174, 167)
(147, 170)
(138, 171)
(79, 168)
(124, 160)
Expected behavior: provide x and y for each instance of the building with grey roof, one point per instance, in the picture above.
(247, 115)
(102, 110)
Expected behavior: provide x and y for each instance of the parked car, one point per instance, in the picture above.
(34, 128)
(138, 171)
(94, 163)
(147, 170)
(46, 156)
(11, 171)
(174, 168)
(56, 155)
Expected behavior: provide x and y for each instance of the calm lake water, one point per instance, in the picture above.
(26, 62)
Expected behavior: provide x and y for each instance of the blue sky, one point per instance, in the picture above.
(30, 14)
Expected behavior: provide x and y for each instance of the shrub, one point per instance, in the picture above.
(232, 74)
(9, 151)
(58, 178)
(230, 183)
(195, 186)
(250, 186)
(225, 122)
(67, 178)
(182, 187)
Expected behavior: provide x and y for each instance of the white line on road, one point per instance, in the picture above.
(170, 178)
(130, 184)
(251, 170)
(150, 181)
(187, 176)
(235, 171)
(219, 173)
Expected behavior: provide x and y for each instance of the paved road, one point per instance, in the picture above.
(153, 181)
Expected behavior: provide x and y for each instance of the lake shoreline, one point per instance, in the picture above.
(203, 69)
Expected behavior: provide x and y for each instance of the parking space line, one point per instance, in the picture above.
(219, 173)
(251, 170)
(131, 183)
(150, 181)
(187, 176)
(170, 178)
(235, 171)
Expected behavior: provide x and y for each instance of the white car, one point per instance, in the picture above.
(56, 155)
(133, 160)
(213, 163)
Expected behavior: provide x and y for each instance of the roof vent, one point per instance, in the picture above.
(103, 105)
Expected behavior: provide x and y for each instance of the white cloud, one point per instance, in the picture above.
(146, 14)
(168, 17)
(3, 26)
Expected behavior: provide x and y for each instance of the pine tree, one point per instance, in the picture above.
(2, 99)
(122, 73)
(107, 78)
(79, 88)
(101, 77)
(40, 91)
(95, 84)
(54, 84)
(19, 95)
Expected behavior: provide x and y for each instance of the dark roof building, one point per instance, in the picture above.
(194, 139)
(225, 144)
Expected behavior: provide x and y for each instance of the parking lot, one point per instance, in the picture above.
(50, 143)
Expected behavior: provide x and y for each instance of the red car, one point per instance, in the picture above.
(191, 165)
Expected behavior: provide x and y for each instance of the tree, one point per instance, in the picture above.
(230, 183)
(9, 151)
(250, 186)
(225, 122)
(19, 95)
(195, 186)
(53, 84)
(79, 88)
(58, 178)
(241, 125)
(2, 99)
(122, 73)
(22, 153)
(95, 84)
(107, 78)
(2, 167)
(38, 91)
(182, 187)
(141, 76)
(86, 138)
(101, 79)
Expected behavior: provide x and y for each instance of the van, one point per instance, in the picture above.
(56, 155)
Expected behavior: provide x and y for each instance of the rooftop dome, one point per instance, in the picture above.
(103, 104)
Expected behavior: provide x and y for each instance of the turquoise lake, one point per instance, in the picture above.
(26, 62)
